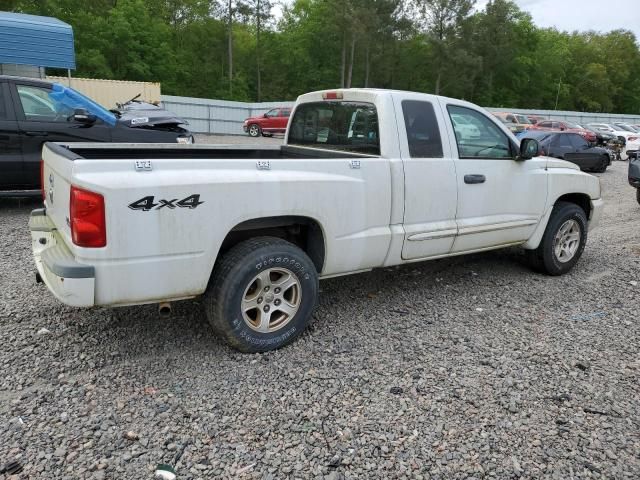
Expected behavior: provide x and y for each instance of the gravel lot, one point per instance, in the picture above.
(466, 368)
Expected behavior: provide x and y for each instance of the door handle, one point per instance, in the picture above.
(36, 134)
(475, 178)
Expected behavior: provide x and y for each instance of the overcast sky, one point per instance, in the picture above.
(570, 15)
(582, 15)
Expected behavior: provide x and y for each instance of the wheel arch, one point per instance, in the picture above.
(304, 232)
(583, 200)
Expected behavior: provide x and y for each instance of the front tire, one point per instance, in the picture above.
(254, 130)
(563, 241)
(262, 294)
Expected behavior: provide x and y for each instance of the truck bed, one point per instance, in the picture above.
(130, 151)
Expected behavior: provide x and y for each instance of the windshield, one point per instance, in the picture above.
(346, 126)
(71, 99)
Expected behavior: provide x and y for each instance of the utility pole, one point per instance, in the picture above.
(558, 94)
(230, 48)
(258, 14)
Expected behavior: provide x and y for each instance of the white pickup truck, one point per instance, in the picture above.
(366, 179)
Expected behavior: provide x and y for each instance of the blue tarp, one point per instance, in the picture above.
(34, 40)
(71, 99)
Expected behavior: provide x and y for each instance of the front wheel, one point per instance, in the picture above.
(262, 294)
(254, 130)
(563, 241)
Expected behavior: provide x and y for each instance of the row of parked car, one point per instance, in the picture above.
(591, 146)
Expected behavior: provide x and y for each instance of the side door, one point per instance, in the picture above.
(283, 119)
(430, 192)
(11, 175)
(561, 146)
(270, 122)
(581, 154)
(500, 199)
(41, 119)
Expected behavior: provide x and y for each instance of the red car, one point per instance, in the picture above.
(555, 126)
(274, 121)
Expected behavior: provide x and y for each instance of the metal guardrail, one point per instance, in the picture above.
(224, 117)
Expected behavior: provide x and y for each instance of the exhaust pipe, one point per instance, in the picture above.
(164, 309)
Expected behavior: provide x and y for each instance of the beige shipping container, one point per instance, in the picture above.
(109, 92)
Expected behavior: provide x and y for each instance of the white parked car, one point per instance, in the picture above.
(465, 127)
(366, 179)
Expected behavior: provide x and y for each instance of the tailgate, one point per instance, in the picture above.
(57, 174)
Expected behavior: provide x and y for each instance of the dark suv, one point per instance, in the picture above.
(34, 111)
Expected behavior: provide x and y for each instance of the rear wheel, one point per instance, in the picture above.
(563, 241)
(604, 164)
(254, 130)
(262, 294)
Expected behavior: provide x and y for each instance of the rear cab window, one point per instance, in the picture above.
(423, 133)
(336, 125)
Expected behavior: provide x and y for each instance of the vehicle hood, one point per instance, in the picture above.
(558, 163)
(149, 117)
(254, 119)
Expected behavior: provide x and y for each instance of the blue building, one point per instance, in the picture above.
(30, 43)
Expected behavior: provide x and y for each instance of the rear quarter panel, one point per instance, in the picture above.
(169, 253)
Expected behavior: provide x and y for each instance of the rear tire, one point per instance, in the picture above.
(262, 294)
(605, 163)
(563, 241)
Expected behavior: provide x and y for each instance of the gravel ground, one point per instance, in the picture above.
(455, 369)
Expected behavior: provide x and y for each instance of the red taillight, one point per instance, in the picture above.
(632, 139)
(332, 95)
(88, 226)
(42, 179)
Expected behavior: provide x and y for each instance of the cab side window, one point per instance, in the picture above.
(285, 113)
(563, 141)
(38, 106)
(578, 142)
(423, 133)
(488, 140)
(272, 113)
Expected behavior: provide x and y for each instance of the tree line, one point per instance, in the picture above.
(255, 50)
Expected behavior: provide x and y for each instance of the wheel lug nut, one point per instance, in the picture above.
(266, 289)
(277, 302)
(260, 299)
(266, 308)
(277, 290)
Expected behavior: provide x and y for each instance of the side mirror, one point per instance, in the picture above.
(529, 148)
(562, 129)
(264, 115)
(80, 115)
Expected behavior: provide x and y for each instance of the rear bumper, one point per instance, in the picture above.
(70, 282)
(596, 213)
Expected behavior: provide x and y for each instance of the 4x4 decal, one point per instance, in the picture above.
(147, 203)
